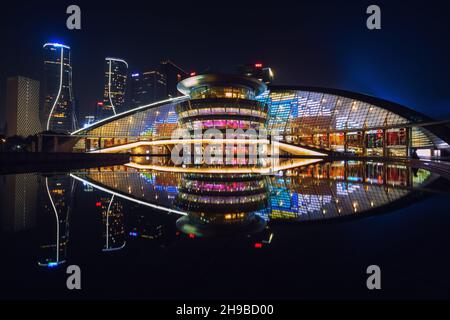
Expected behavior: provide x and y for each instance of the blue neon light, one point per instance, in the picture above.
(57, 45)
(171, 189)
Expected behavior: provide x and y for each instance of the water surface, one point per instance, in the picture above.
(308, 232)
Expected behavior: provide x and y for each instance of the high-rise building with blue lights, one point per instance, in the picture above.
(58, 112)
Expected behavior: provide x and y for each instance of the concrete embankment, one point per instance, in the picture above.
(47, 162)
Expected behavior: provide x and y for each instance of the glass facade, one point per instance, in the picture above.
(222, 114)
(341, 124)
(323, 121)
(208, 92)
(154, 123)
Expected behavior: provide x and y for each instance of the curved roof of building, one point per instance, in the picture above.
(399, 109)
(219, 80)
(129, 113)
(441, 131)
(405, 115)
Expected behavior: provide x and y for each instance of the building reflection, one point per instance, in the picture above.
(113, 221)
(315, 192)
(19, 205)
(338, 189)
(218, 205)
(57, 196)
(156, 230)
(163, 208)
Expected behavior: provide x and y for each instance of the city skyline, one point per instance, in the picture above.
(123, 90)
(55, 105)
(234, 151)
(365, 68)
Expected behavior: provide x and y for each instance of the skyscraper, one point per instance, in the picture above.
(173, 75)
(116, 74)
(258, 71)
(58, 112)
(22, 107)
(147, 87)
(102, 111)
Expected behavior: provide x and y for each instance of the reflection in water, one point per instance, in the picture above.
(263, 166)
(222, 204)
(57, 194)
(323, 191)
(113, 219)
(20, 201)
(340, 189)
(205, 204)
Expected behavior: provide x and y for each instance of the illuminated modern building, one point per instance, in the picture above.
(325, 120)
(116, 75)
(147, 87)
(153, 121)
(222, 102)
(341, 121)
(22, 107)
(58, 112)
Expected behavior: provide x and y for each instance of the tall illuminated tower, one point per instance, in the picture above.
(58, 112)
(116, 73)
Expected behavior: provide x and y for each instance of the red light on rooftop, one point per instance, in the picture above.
(98, 204)
(258, 245)
(100, 103)
(258, 65)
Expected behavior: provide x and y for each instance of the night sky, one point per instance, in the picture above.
(316, 43)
